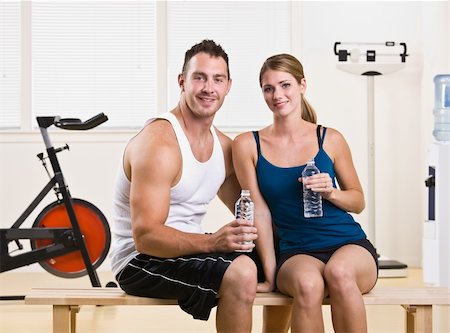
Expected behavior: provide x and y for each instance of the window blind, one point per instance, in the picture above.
(94, 56)
(10, 64)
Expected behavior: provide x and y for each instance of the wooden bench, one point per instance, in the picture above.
(417, 302)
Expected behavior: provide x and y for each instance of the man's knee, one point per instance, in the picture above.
(240, 279)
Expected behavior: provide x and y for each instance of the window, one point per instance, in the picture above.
(107, 56)
(92, 57)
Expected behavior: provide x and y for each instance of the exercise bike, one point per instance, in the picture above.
(70, 237)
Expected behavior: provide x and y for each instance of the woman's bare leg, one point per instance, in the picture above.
(301, 277)
(349, 273)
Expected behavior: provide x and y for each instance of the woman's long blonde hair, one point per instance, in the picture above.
(289, 64)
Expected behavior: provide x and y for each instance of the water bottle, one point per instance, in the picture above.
(244, 209)
(441, 109)
(312, 201)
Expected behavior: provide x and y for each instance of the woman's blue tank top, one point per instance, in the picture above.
(283, 194)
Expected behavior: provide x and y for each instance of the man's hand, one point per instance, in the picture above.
(231, 237)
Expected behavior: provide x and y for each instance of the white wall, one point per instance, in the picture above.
(403, 104)
(403, 121)
(341, 102)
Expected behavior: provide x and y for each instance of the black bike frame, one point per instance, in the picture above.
(66, 240)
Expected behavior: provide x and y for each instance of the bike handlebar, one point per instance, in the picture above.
(77, 124)
(72, 123)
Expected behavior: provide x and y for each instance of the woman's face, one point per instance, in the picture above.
(282, 92)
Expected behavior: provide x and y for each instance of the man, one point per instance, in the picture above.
(171, 170)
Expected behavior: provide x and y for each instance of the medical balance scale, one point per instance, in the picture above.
(370, 60)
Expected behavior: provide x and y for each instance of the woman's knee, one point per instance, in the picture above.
(308, 291)
(343, 279)
(339, 278)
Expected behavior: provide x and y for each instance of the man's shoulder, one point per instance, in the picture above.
(224, 139)
(220, 133)
(155, 140)
(159, 131)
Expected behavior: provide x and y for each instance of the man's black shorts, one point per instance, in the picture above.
(193, 280)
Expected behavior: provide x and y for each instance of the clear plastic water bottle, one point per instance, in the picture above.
(441, 109)
(312, 201)
(244, 209)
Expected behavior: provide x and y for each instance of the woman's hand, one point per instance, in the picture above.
(321, 183)
(265, 287)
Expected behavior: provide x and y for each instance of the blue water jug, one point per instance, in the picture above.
(441, 109)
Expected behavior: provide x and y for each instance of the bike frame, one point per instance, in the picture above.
(66, 240)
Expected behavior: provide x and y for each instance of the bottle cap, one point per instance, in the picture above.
(442, 91)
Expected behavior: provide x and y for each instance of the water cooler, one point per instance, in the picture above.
(436, 228)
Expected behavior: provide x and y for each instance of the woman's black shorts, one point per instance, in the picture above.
(325, 254)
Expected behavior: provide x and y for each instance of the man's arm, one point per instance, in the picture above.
(153, 164)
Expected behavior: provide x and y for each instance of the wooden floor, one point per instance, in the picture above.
(15, 317)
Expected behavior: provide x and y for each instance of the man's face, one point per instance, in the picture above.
(205, 84)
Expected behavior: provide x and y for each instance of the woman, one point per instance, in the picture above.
(316, 257)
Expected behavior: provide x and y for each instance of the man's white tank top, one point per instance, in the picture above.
(189, 198)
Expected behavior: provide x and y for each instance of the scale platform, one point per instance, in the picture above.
(389, 268)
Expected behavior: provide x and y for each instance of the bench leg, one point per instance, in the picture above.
(65, 318)
(419, 318)
(61, 319)
(74, 309)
